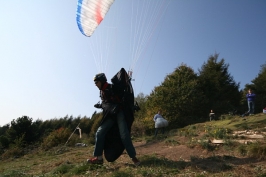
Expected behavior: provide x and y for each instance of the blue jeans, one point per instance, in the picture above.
(124, 134)
(157, 130)
(251, 106)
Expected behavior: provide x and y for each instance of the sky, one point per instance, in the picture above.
(47, 65)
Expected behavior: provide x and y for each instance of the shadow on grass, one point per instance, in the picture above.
(77, 169)
(217, 164)
(153, 161)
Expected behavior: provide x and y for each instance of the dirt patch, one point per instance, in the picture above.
(218, 160)
(171, 152)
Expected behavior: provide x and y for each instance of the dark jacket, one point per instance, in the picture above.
(111, 101)
(116, 95)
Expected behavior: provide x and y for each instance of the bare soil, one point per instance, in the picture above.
(217, 161)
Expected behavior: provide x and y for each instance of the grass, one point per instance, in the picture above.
(243, 159)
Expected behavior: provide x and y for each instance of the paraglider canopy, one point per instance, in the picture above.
(90, 13)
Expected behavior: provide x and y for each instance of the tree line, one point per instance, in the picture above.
(185, 97)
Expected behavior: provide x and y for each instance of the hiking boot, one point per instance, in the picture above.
(95, 160)
(135, 161)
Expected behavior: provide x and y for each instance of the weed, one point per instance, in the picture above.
(229, 143)
(62, 169)
(14, 152)
(82, 168)
(218, 133)
(190, 131)
(257, 150)
(261, 175)
(206, 145)
(122, 174)
(13, 173)
(174, 132)
(192, 143)
(244, 126)
(171, 142)
(242, 149)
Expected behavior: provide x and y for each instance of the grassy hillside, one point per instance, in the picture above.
(184, 152)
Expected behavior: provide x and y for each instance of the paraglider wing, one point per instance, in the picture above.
(90, 13)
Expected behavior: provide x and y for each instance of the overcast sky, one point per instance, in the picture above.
(47, 65)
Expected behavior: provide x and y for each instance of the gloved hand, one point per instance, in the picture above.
(98, 105)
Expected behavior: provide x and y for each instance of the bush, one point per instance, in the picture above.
(96, 124)
(14, 152)
(63, 169)
(4, 143)
(56, 138)
(242, 149)
(257, 151)
(138, 129)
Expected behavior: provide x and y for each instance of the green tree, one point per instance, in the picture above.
(85, 124)
(22, 127)
(218, 86)
(4, 143)
(94, 124)
(259, 87)
(139, 125)
(178, 97)
(141, 101)
(4, 129)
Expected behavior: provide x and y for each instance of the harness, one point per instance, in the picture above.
(107, 94)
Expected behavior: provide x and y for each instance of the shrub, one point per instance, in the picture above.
(242, 149)
(63, 169)
(14, 152)
(56, 138)
(138, 129)
(4, 143)
(218, 133)
(257, 150)
(94, 128)
(206, 145)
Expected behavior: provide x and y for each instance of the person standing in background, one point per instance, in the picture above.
(158, 124)
(251, 101)
(212, 115)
